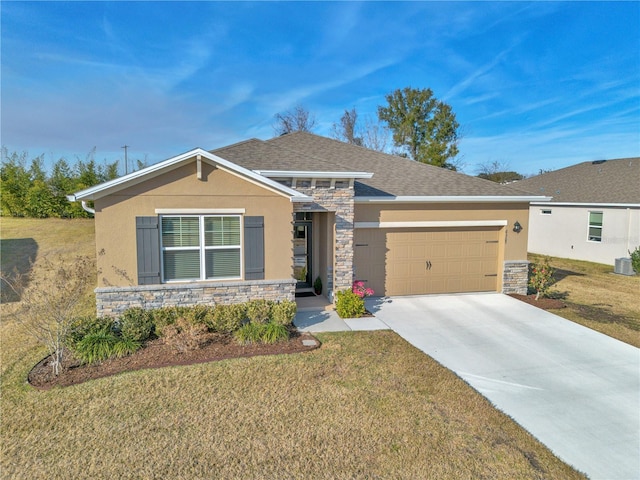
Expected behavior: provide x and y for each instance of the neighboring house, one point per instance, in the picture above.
(264, 219)
(594, 214)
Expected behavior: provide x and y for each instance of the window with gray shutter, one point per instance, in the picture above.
(254, 248)
(200, 247)
(148, 250)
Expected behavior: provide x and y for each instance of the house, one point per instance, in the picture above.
(594, 214)
(264, 219)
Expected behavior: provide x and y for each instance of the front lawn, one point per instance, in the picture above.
(597, 298)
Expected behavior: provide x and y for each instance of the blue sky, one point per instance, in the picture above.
(534, 86)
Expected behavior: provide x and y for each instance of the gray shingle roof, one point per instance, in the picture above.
(393, 175)
(610, 181)
(259, 155)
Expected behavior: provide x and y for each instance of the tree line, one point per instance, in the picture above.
(28, 190)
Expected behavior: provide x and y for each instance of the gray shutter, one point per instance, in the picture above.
(253, 248)
(148, 245)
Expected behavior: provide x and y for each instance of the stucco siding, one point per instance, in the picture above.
(514, 244)
(564, 232)
(181, 189)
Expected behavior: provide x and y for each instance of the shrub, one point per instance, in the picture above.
(103, 344)
(274, 333)
(83, 326)
(317, 286)
(249, 333)
(184, 335)
(283, 313)
(162, 317)
(136, 324)
(197, 314)
(635, 260)
(360, 290)
(226, 318)
(259, 311)
(541, 277)
(348, 304)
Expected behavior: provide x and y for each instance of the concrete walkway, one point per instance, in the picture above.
(315, 320)
(576, 390)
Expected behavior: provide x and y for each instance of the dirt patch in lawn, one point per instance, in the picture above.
(157, 354)
(602, 313)
(544, 302)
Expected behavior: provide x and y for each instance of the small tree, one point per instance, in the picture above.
(51, 297)
(635, 259)
(541, 277)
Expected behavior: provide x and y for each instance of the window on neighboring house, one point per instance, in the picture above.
(595, 227)
(201, 247)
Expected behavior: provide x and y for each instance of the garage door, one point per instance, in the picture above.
(427, 260)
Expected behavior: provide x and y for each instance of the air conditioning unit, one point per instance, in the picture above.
(623, 266)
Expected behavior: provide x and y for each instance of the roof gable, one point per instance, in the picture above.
(135, 178)
(598, 182)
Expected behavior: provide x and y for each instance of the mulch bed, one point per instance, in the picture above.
(157, 354)
(544, 303)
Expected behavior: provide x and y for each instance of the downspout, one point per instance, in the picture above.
(85, 207)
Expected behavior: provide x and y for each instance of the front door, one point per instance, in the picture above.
(302, 253)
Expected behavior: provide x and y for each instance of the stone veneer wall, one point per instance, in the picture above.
(111, 301)
(515, 277)
(340, 201)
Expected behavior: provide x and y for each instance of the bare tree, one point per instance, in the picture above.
(346, 129)
(51, 299)
(498, 172)
(373, 135)
(297, 119)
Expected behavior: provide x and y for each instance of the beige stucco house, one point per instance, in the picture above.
(264, 219)
(594, 213)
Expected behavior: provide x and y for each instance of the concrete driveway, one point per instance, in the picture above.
(574, 389)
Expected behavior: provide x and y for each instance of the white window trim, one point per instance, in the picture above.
(601, 227)
(202, 248)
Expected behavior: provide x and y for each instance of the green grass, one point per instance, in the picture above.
(364, 405)
(597, 298)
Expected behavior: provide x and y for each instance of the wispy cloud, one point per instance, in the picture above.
(481, 71)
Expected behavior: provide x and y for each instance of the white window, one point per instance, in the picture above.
(595, 227)
(201, 247)
(545, 211)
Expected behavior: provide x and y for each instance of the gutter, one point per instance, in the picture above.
(85, 207)
(452, 199)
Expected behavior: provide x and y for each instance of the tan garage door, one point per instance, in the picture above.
(427, 260)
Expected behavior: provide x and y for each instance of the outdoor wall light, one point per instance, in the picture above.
(517, 227)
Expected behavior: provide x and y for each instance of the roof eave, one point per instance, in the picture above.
(312, 174)
(112, 186)
(453, 199)
(589, 204)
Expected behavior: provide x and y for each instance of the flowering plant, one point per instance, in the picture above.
(359, 289)
(541, 277)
